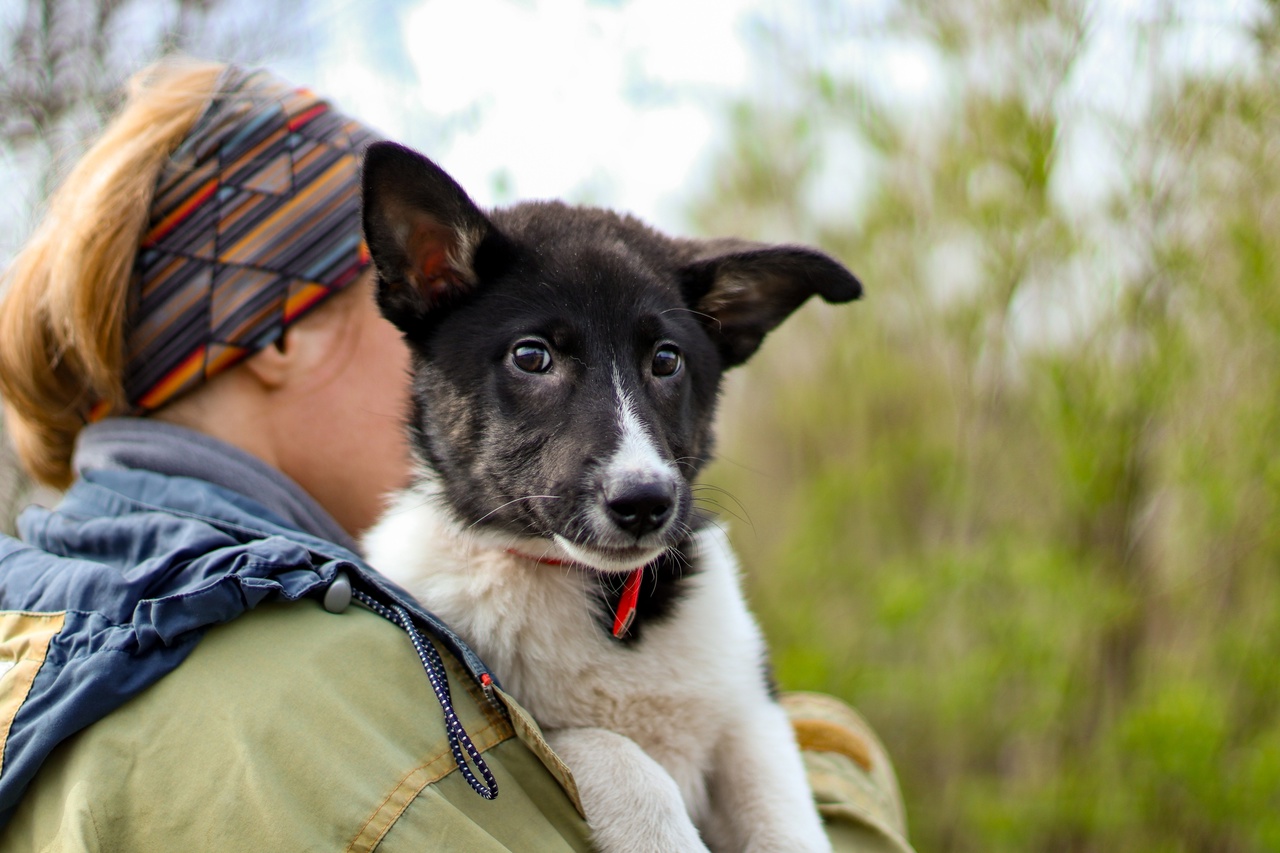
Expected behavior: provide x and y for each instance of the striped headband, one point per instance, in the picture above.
(255, 221)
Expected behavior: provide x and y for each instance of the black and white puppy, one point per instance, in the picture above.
(566, 364)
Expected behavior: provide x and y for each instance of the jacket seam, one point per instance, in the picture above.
(404, 781)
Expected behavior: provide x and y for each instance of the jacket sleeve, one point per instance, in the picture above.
(851, 775)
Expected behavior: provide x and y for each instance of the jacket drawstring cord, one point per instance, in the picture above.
(459, 740)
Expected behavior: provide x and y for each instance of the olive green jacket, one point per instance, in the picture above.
(292, 728)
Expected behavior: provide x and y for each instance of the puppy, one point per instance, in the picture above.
(565, 368)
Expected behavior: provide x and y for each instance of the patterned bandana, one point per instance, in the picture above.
(255, 220)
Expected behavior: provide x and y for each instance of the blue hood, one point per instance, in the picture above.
(137, 565)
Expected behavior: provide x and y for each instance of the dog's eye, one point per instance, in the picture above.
(531, 357)
(667, 361)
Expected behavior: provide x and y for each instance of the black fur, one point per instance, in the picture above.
(524, 452)
(766, 673)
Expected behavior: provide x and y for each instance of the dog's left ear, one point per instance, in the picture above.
(423, 233)
(744, 290)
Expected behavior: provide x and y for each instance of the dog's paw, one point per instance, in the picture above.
(632, 803)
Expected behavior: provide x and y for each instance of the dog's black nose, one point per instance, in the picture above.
(641, 508)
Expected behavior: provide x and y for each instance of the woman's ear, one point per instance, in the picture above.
(272, 365)
(304, 352)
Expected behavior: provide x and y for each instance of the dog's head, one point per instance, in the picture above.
(567, 361)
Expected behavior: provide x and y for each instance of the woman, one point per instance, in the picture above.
(189, 342)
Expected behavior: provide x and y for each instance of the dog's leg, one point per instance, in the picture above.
(632, 803)
(760, 797)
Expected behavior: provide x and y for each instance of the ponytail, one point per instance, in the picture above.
(64, 304)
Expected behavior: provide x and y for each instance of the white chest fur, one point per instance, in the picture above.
(693, 676)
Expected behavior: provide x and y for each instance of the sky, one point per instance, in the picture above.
(601, 102)
(624, 103)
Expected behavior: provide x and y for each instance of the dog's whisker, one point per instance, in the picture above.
(681, 561)
(711, 487)
(690, 462)
(715, 320)
(501, 507)
(746, 515)
(708, 502)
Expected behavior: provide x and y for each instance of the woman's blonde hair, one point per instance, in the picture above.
(65, 300)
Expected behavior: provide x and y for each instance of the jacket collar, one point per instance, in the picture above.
(119, 444)
(134, 566)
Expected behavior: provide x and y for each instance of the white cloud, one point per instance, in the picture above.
(615, 104)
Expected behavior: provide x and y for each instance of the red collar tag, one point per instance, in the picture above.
(627, 606)
(626, 612)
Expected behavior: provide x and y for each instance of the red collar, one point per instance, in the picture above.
(625, 615)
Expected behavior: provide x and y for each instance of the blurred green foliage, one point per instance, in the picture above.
(1022, 507)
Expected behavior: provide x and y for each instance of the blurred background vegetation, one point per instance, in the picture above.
(1021, 505)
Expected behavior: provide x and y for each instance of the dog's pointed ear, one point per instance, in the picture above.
(422, 230)
(744, 290)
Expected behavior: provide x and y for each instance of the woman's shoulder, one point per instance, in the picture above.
(293, 728)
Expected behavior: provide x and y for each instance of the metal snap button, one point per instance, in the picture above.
(338, 596)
